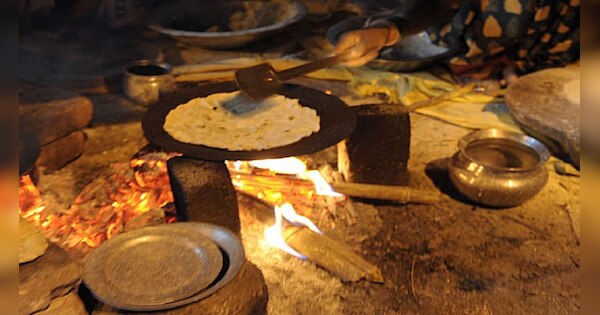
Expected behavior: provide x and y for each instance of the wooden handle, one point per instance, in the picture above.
(311, 67)
(385, 192)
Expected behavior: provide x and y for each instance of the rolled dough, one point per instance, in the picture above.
(233, 122)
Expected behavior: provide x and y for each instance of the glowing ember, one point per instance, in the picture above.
(131, 196)
(137, 194)
(274, 234)
(30, 200)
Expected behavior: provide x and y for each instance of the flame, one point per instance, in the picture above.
(285, 179)
(290, 165)
(321, 186)
(138, 193)
(286, 166)
(274, 233)
(30, 201)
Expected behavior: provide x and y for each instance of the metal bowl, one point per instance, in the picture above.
(188, 21)
(499, 168)
(412, 53)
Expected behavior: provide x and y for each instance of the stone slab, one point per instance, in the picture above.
(539, 102)
(378, 150)
(203, 192)
(53, 113)
(59, 153)
(69, 304)
(50, 276)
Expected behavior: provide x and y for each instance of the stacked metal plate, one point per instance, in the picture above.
(163, 267)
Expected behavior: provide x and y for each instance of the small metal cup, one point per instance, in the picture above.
(145, 80)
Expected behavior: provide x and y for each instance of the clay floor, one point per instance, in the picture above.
(451, 258)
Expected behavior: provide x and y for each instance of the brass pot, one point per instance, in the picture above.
(499, 168)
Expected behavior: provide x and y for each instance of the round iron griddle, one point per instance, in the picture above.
(151, 267)
(337, 123)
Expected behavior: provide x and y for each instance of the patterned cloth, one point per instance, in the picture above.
(531, 34)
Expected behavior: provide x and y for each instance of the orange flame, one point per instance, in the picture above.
(136, 194)
(30, 201)
(274, 233)
(290, 165)
(294, 179)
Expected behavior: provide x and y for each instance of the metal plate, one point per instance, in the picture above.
(337, 123)
(412, 53)
(151, 266)
(205, 15)
(233, 258)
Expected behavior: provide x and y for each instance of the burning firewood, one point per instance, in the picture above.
(399, 194)
(331, 255)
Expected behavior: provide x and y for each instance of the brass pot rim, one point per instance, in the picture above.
(538, 147)
(146, 62)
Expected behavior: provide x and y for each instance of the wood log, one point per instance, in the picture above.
(59, 153)
(331, 255)
(50, 276)
(203, 192)
(52, 113)
(399, 194)
(377, 152)
(246, 294)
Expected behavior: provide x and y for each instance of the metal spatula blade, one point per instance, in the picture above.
(261, 81)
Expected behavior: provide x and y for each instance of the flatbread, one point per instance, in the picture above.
(233, 122)
(32, 243)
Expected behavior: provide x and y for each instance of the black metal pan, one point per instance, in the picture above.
(337, 123)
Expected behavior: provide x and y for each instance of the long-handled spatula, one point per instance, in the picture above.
(262, 80)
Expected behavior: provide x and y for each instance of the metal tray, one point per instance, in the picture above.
(151, 267)
(233, 257)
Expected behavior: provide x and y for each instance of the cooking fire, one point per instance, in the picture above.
(298, 157)
(138, 194)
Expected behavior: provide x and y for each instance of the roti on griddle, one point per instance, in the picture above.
(32, 243)
(234, 122)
